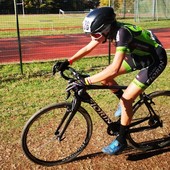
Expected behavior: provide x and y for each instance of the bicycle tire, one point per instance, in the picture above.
(157, 137)
(39, 143)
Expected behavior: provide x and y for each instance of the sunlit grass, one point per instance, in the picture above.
(22, 95)
(53, 24)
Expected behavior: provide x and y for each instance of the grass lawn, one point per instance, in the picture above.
(33, 25)
(23, 95)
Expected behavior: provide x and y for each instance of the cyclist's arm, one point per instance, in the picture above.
(123, 37)
(110, 71)
(85, 50)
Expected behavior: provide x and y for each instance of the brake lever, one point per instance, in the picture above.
(68, 89)
(54, 71)
(68, 94)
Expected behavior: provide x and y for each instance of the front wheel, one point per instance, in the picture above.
(146, 137)
(39, 138)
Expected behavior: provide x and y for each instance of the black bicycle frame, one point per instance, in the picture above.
(94, 105)
(83, 96)
(143, 98)
(98, 109)
(147, 101)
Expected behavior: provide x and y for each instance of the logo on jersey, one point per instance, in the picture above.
(151, 35)
(117, 37)
(156, 72)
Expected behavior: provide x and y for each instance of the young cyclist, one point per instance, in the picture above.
(136, 49)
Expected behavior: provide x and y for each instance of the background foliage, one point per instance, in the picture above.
(47, 6)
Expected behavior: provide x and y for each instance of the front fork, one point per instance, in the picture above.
(68, 116)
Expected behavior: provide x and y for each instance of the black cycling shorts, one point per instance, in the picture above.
(150, 66)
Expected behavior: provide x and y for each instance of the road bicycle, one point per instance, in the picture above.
(58, 133)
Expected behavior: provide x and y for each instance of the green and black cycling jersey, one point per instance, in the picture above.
(135, 40)
(143, 52)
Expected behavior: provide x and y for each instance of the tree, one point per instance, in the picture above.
(104, 3)
(31, 3)
(92, 3)
(47, 4)
(114, 3)
(6, 6)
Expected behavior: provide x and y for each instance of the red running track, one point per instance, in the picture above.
(43, 48)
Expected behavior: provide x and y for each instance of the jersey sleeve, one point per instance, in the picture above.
(123, 39)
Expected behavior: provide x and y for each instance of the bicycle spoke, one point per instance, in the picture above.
(45, 144)
(153, 136)
(42, 146)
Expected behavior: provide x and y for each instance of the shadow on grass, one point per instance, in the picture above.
(158, 147)
(41, 73)
(17, 77)
(92, 155)
(148, 154)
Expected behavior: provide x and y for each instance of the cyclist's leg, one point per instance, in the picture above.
(120, 143)
(126, 101)
(145, 77)
(110, 81)
(129, 95)
(126, 67)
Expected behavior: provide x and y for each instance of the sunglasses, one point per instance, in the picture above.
(97, 35)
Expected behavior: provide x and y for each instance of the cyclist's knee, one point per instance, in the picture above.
(108, 82)
(126, 102)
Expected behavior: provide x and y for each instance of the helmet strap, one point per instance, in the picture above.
(105, 39)
(113, 31)
(107, 36)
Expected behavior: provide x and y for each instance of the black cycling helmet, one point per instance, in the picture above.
(99, 20)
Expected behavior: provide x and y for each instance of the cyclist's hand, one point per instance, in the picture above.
(60, 66)
(78, 84)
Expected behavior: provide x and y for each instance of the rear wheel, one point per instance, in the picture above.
(40, 143)
(156, 137)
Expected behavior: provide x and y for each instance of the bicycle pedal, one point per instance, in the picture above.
(155, 122)
(113, 129)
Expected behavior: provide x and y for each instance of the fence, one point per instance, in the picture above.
(43, 37)
(151, 9)
(54, 36)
